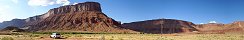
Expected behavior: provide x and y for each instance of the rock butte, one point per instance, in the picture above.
(81, 17)
(88, 17)
(161, 26)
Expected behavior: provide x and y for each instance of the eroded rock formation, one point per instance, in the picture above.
(86, 6)
(88, 17)
(161, 26)
(218, 27)
(82, 17)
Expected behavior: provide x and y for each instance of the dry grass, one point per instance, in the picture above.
(131, 37)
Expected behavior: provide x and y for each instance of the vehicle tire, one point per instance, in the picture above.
(50, 36)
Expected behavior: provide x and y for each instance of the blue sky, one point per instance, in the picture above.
(196, 11)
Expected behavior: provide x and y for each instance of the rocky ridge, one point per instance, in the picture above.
(161, 26)
(14, 22)
(88, 17)
(218, 27)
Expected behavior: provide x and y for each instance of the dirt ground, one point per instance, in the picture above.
(129, 37)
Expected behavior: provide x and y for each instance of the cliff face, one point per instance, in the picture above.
(88, 17)
(161, 26)
(82, 17)
(87, 6)
(215, 27)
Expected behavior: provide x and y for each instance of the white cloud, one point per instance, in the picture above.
(64, 2)
(75, 3)
(15, 1)
(47, 2)
(5, 15)
(212, 22)
(201, 23)
(6, 7)
(40, 2)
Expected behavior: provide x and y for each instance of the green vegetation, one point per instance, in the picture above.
(70, 36)
(34, 35)
(7, 38)
(79, 33)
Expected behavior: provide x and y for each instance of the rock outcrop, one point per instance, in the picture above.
(82, 17)
(88, 17)
(217, 27)
(161, 26)
(87, 6)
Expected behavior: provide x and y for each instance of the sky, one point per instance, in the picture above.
(126, 11)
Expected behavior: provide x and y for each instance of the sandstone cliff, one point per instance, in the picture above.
(217, 27)
(87, 6)
(88, 17)
(82, 17)
(161, 26)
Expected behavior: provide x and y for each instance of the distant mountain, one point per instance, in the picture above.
(161, 26)
(237, 26)
(15, 22)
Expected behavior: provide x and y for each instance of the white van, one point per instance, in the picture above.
(55, 35)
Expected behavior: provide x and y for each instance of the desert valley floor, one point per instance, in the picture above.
(181, 36)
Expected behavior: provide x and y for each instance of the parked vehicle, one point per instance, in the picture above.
(55, 35)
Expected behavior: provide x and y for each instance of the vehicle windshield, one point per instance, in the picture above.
(57, 34)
